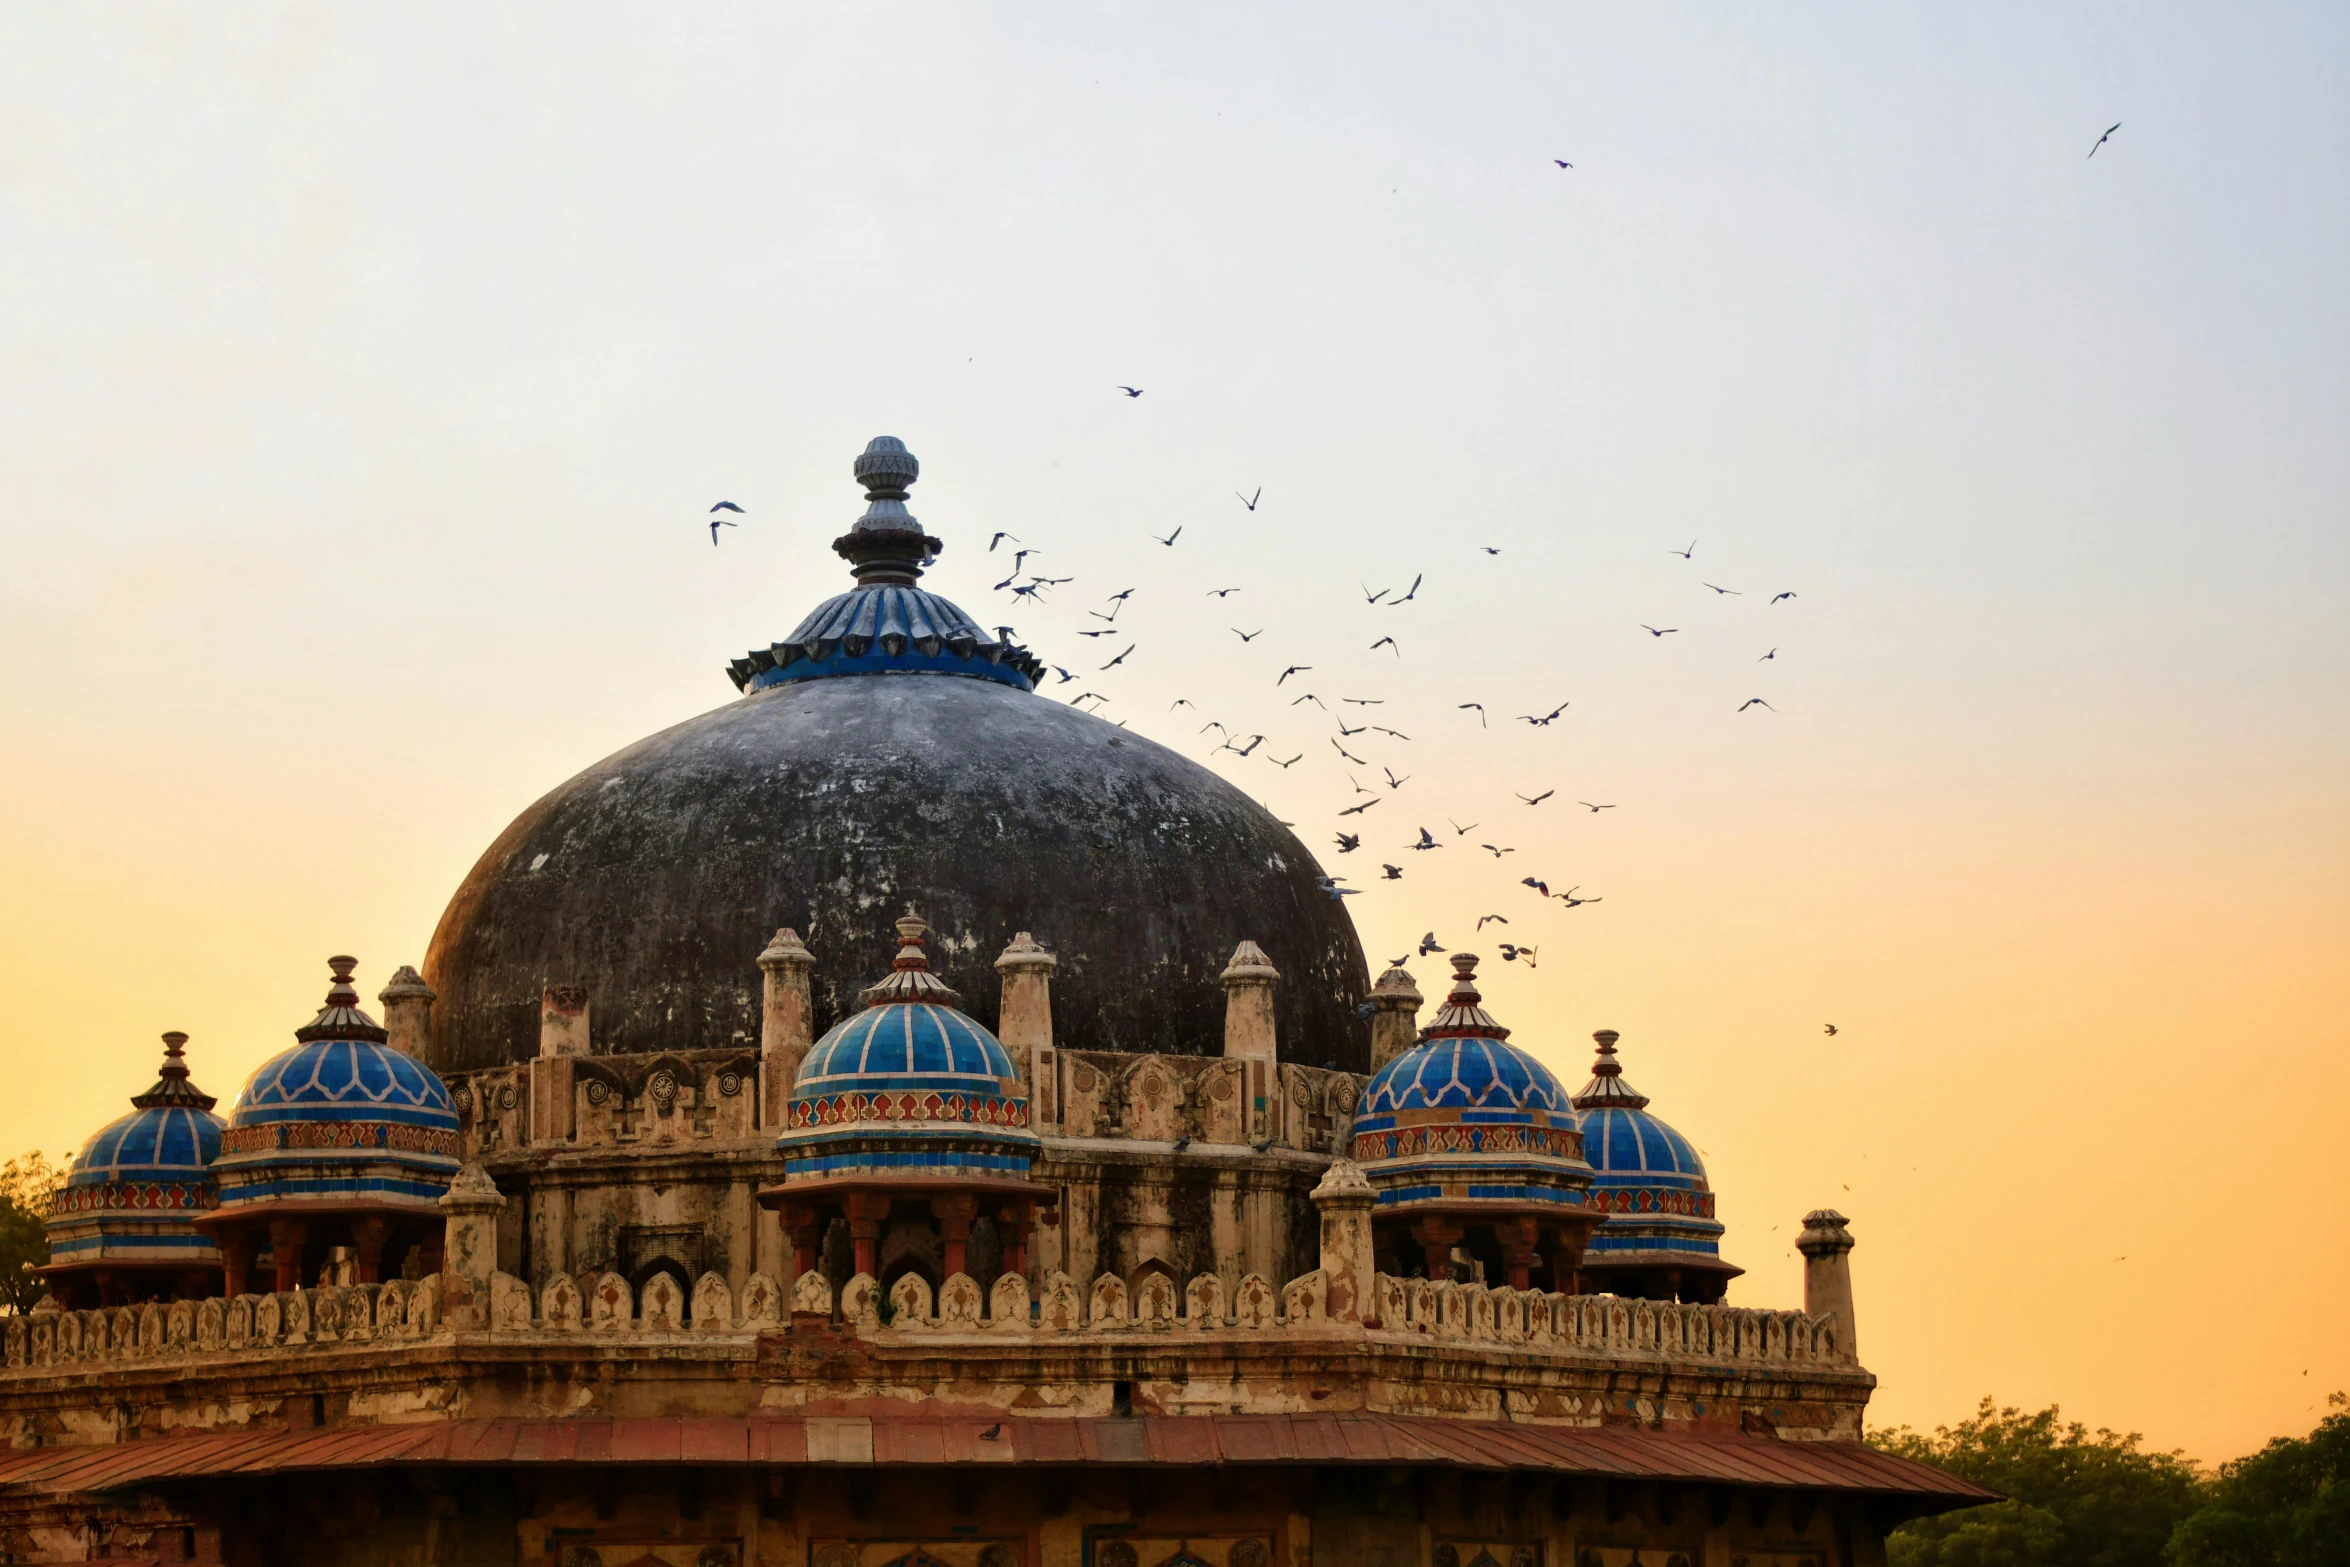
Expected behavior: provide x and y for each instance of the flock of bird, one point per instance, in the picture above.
(1025, 586)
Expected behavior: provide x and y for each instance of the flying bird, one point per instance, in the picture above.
(1736, 593)
(999, 538)
(1755, 701)
(1831, 1028)
(1370, 597)
(1413, 594)
(1393, 872)
(1106, 631)
(1484, 920)
(1357, 810)
(1309, 697)
(1248, 636)
(1131, 391)
(1511, 953)
(715, 524)
(1334, 892)
(1170, 539)
(728, 506)
(1294, 669)
(1656, 632)
(1356, 784)
(1349, 755)
(2108, 136)
(1536, 799)
(1250, 501)
(1480, 707)
(1213, 724)
(1253, 742)
(1020, 555)
(1218, 593)
(1542, 887)
(1458, 831)
(1066, 677)
(1428, 944)
(1365, 701)
(1685, 554)
(1496, 853)
(1181, 701)
(1562, 163)
(1356, 730)
(1386, 642)
(1028, 590)
(1489, 549)
(1394, 782)
(1292, 762)
(1778, 596)
(1427, 841)
(1594, 809)
(1121, 658)
(1348, 842)
(1119, 597)
(1571, 901)
(1546, 720)
(1767, 657)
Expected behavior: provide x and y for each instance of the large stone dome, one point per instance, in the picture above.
(890, 753)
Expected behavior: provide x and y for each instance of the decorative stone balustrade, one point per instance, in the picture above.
(1604, 1325)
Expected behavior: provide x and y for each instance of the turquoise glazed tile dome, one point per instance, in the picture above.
(909, 1088)
(1464, 1119)
(133, 1192)
(1645, 1176)
(342, 1120)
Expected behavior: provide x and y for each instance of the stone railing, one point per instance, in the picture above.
(604, 1304)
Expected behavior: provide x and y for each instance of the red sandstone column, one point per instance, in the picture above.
(1518, 1253)
(285, 1240)
(368, 1237)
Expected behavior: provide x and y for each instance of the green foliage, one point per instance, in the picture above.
(29, 1185)
(2287, 1505)
(2073, 1498)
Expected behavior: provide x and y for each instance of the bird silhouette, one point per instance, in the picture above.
(1386, 642)
(1121, 658)
(1181, 701)
(1397, 733)
(1131, 391)
(1365, 701)
(1250, 501)
(1394, 782)
(1496, 853)
(1292, 762)
(1356, 730)
(1309, 697)
(1571, 901)
(1778, 596)
(1248, 636)
(1735, 593)
(1484, 920)
(1831, 1028)
(1480, 707)
(1294, 669)
(1685, 554)
(1540, 886)
(1489, 549)
(1170, 539)
(1428, 944)
(1220, 593)
(999, 538)
(1767, 657)
(1594, 809)
(1357, 810)
(1098, 615)
(1408, 597)
(1349, 755)
(1356, 784)
(1066, 677)
(1393, 872)
(1755, 701)
(1119, 597)
(1370, 597)
(1547, 719)
(1536, 799)
(1331, 890)
(1348, 842)
(2102, 140)
(992, 1433)
(1008, 581)
(1027, 590)
(1510, 953)
(1213, 724)
(1427, 841)
(1458, 831)
(1562, 163)
(715, 524)
(1253, 742)
(1655, 631)
(1106, 631)
(1020, 555)
(1182, 1143)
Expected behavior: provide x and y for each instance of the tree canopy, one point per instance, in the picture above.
(2074, 1498)
(2287, 1505)
(28, 1189)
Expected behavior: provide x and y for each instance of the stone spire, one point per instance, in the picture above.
(341, 1018)
(172, 1088)
(1395, 1016)
(887, 544)
(1461, 1012)
(910, 978)
(1607, 1089)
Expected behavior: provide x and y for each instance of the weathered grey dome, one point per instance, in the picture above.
(834, 794)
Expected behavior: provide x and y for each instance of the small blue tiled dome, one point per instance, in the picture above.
(1465, 1122)
(1648, 1180)
(910, 1087)
(134, 1191)
(341, 1119)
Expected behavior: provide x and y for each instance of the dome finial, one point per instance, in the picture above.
(341, 1018)
(171, 1082)
(1607, 1085)
(910, 978)
(887, 545)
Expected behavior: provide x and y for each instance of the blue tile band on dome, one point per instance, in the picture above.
(886, 624)
(911, 1045)
(332, 1079)
(176, 1144)
(1646, 1176)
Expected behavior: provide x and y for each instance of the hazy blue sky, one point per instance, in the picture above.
(364, 373)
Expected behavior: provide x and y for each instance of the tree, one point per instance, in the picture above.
(2073, 1498)
(2287, 1505)
(29, 1184)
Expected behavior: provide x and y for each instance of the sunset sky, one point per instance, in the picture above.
(367, 372)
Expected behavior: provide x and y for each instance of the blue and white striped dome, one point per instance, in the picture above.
(1646, 1178)
(1465, 1122)
(341, 1120)
(135, 1190)
(909, 1088)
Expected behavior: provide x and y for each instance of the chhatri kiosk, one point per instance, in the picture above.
(894, 1118)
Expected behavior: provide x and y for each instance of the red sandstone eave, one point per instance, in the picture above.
(1607, 1452)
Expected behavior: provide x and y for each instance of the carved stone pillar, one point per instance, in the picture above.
(1248, 1004)
(1395, 1016)
(1437, 1237)
(285, 1243)
(1827, 1274)
(1520, 1249)
(867, 1213)
(1346, 1200)
(787, 1022)
(407, 1002)
(954, 1213)
(469, 1248)
(367, 1242)
(563, 1020)
(1025, 1021)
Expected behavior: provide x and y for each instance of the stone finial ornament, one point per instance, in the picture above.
(1827, 1275)
(887, 544)
(910, 978)
(341, 1018)
(1607, 1087)
(172, 1088)
(787, 1020)
(1248, 1003)
(1024, 1019)
(1395, 1016)
(407, 1003)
